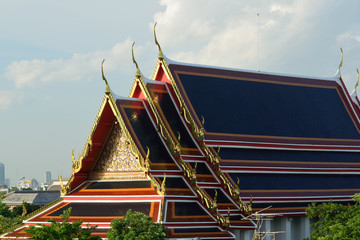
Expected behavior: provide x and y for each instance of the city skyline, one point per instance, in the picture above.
(5, 180)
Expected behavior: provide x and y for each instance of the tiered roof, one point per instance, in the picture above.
(199, 148)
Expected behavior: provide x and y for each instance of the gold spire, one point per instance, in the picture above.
(161, 56)
(107, 88)
(137, 74)
(341, 61)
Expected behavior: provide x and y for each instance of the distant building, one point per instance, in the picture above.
(39, 198)
(2, 174)
(56, 185)
(47, 177)
(7, 182)
(24, 183)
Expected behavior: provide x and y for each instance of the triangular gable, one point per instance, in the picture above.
(116, 157)
(109, 145)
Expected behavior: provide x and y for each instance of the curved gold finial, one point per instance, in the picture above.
(163, 185)
(202, 121)
(147, 152)
(107, 88)
(137, 74)
(63, 190)
(147, 159)
(61, 183)
(24, 211)
(341, 61)
(238, 181)
(161, 56)
(73, 158)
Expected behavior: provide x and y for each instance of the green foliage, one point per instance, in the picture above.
(8, 222)
(136, 226)
(335, 221)
(62, 230)
(4, 210)
(7, 219)
(2, 195)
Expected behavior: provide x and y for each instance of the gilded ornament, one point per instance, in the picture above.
(64, 189)
(161, 56)
(24, 211)
(163, 188)
(357, 83)
(147, 159)
(341, 61)
(107, 88)
(117, 155)
(137, 74)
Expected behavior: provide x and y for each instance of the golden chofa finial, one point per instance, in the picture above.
(341, 61)
(161, 56)
(107, 88)
(137, 74)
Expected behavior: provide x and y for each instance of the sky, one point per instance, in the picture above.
(51, 52)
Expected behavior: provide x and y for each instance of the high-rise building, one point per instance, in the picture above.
(2, 174)
(47, 177)
(7, 182)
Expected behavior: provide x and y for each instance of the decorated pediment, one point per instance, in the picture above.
(117, 159)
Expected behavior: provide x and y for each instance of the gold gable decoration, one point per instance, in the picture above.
(117, 155)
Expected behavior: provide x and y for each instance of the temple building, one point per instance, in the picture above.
(209, 151)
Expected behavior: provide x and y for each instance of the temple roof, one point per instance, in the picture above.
(242, 105)
(39, 198)
(201, 147)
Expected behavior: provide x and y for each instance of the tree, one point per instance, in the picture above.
(136, 226)
(335, 221)
(8, 222)
(7, 218)
(62, 230)
(4, 210)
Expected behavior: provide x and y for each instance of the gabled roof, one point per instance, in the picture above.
(284, 140)
(39, 198)
(259, 107)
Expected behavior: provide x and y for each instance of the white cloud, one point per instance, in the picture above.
(349, 38)
(78, 67)
(225, 33)
(8, 98)
(280, 8)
